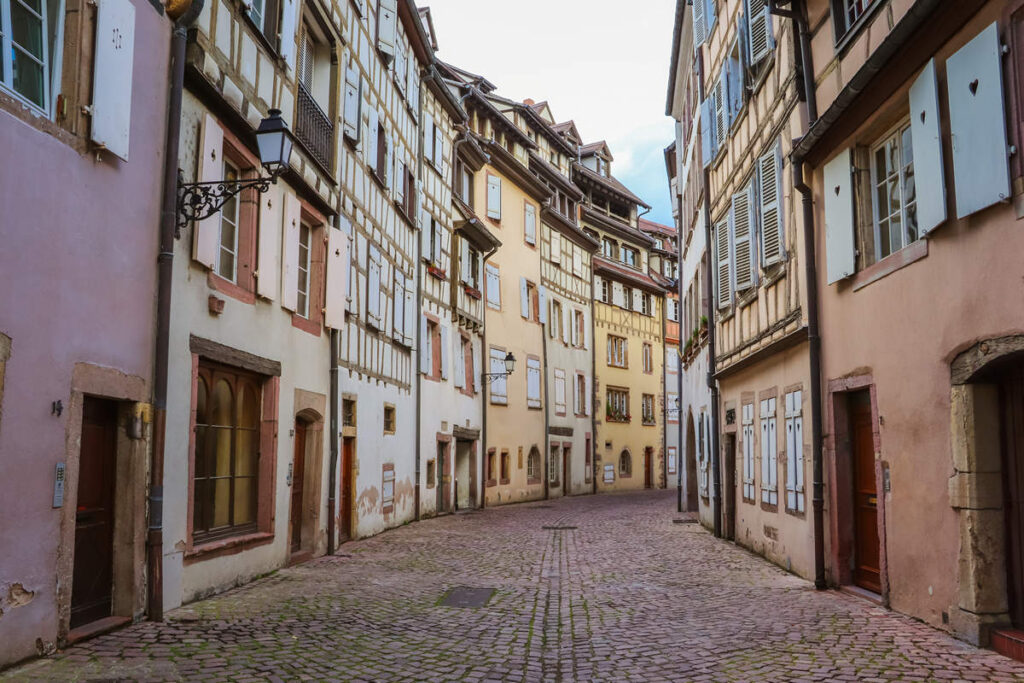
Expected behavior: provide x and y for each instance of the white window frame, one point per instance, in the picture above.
(304, 268)
(235, 201)
(8, 47)
(894, 134)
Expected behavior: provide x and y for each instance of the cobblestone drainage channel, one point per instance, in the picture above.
(684, 521)
(555, 527)
(463, 596)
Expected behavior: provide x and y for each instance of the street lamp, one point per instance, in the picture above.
(197, 201)
(510, 365)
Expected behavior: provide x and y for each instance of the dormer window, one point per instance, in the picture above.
(602, 166)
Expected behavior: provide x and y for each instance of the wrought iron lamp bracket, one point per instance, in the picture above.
(197, 201)
(489, 377)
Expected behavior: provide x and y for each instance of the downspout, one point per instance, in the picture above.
(547, 410)
(419, 305)
(811, 275)
(165, 274)
(716, 469)
(679, 347)
(664, 391)
(593, 386)
(332, 486)
(485, 391)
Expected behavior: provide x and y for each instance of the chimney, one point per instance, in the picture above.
(528, 102)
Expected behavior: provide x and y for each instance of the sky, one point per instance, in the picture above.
(602, 63)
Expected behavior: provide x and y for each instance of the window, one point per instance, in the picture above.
(845, 14)
(894, 196)
(499, 383)
(553, 465)
(748, 452)
(492, 467)
(559, 392)
(533, 466)
(529, 300)
(227, 446)
(703, 20)
(463, 182)
(387, 489)
(431, 473)
(609, 248)
(389, 419)
(348, 412)
(769, 454)
(648, 359)
(794, 451)
(29, 49)
(380, 167)
(493, 286)
(605, 291)
(671, 459)
(647, 408)
(617, 409)
(630, 256)
(505, 467)
(617, 351)
(302, 301)
(555, 319)
(532, 382)
(530, 223)
(578, 329)
(625, 463)
(314, 128)
(627, 298)
(580, 394)
(673, 310)
(645, 304)
(227, 254)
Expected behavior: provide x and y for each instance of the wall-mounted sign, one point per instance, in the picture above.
(58, 486)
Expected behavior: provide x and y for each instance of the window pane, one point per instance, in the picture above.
(911, 222)
(221, 413)
(249, 415)
(27, 29)
(883, 238)
(221, 502)
(895, 234)
(894, 195)
(246, 443)
(245, 500)
(28, 77)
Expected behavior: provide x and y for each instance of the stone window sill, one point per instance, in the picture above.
(913, 252)
(227, 546)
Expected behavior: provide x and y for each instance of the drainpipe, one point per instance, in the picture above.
(811, 275)
(485, 390)
(664, 390)
(419, 305)
(593, 388)
(332, 487)
(165, 274)
(716, 468)
(547, 412)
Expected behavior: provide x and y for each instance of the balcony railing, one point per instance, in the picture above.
(313, 128)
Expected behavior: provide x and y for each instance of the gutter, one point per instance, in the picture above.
(547, 409)
(165, 274)
(810, 265)
(333, 485)
(419, 304)
(485, 390)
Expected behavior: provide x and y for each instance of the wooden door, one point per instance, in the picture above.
(472, 474)
(348, 455)
(93, 573)
(444, 459)
(866, 573)
(729, 488)
(1012, 404)
(298, 481)
(648, 468)
(566, 460)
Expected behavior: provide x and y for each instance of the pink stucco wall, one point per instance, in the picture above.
(78, 246)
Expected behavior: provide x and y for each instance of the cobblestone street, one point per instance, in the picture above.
(695, 609)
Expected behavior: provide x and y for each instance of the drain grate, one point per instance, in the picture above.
(684, 521)
(464, 596)
(558, 527)
(543, 507)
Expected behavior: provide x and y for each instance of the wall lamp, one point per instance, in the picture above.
(197, 201)
(510, 365)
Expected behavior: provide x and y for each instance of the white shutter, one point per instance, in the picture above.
(337, 279)
(446, 351)
(772, 237)
(839, 239)
(460, 362)
(699, 25)
(499, 385)
(494, 197)
(373, 286)
(446, 247)
(465, 264)
(389, 166)
(761, 40)
(748, 450)
(556, 247)
(976, 118)
(926, 140)
(577, 261)
(351, 274)
(618, 296)
(410, 310)
(399, 180)
(590, 395)
(428, 136)
(574, 330)
(387, 16)
(290, 258)
(401, 70)
(112, 75)
(533, 383)
(414, 86)
(707, 134)
(289, 19)
(722, 268)
(493, 286)
(542, 303)
(398, 313)
(709, 15)
(426, 232)
(566, 322)
(206, 234)
(424, 346)
(530, 227)
(798, 440)
(740, 217)
(474, 380)
(524, 298)
(269, 255)
(373, 128)
(353, 102)
(438, 155)
(560, 389)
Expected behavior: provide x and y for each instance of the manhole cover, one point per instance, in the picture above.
(558, 528)
(463, 596)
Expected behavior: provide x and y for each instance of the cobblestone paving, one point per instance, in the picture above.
(625, 596)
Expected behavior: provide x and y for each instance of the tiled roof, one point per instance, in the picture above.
(634, 277)
(611, 183)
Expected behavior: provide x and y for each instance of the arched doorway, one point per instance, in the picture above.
(305, 477)
(690, 481)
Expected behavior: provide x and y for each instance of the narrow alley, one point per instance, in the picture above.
(604, 587)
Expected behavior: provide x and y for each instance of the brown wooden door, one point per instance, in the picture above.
(348, 455)
(444, 465)
(93, 574)
(1012, 403)
(866, 572)
(566, 460)
(729, 488)
(298, 480)
(648, 468)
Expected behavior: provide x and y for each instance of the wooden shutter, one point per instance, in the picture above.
(560, 390)
(111, 115)
(371, 153)
(337, 279)
(353, 102)
(556, 247)
(290, 260)
(206, 233)
(426, 236)
(305, 59)
(289, 23)
(566, 322)
(446, 351)
(760, 40)
(533, 383)
(387, 16)
(438, 156)
(414, 86)
(398, 312)
(542, 304)
(742, 252)
(460, 362)
(577, 261)
(373, 286)
(721, 105)
(722, 269)
(269, 254)
(707, 137)
(977, 113)
(524, 298)
(772, 233)
(499, 385)
(699, 25)
(493, 286)
(530, 228)
(494, 197)
(709, 15)
(424, 346)
(926, 140)
(839, 238)
(410, 309)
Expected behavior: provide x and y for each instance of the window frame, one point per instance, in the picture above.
(227, 166)
(896, 133)
(305, 270)
(648, 419)
(618, 348)
(9, 47)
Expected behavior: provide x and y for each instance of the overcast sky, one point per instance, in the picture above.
(602, 63)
